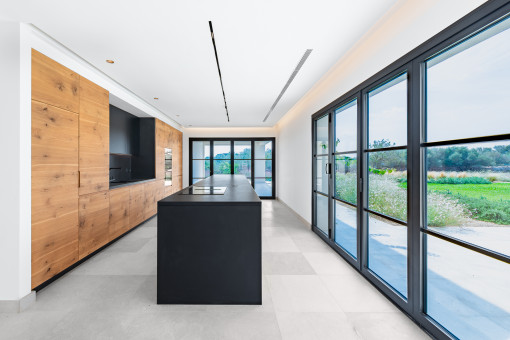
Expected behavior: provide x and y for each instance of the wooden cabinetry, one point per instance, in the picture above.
(119, 212)
(54, 191)
(168, 137)
(136, 205)
(94, 137)
(94, 210)
(74, 212)
(54, 84)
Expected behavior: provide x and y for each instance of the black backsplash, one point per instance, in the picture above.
(132, 146)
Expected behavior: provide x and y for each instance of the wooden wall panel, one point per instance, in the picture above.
(94, 137)
(161, 144)
(54, 84)
(94, 210)
(136, 204)
(119, 212)
(54, 191)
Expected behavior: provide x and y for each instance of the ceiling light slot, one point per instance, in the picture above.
(292, 76)
(219, 71)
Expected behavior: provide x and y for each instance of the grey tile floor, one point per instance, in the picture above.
(309, 292)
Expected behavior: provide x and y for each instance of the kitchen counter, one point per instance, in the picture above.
(209, 247)
(115, 185)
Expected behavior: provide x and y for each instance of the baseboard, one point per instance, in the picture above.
(295, 213)
(17, 306)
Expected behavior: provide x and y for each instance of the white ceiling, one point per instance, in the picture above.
(163, 48)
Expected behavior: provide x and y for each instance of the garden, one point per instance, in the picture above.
(465, 184)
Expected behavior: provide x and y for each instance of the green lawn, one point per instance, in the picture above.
(492, 192)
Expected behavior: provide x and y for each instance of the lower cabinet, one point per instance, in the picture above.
(94, 215)
(119, 212)
(136, 205)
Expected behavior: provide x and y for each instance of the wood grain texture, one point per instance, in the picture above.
(160, 191)
(54, 84)
(94, 137)
(136, 204)
(94, 212)
(161, 144)
(150, 192)
(119, 212)
(168, 137)
(54, 191)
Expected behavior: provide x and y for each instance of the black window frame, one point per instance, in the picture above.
(211, 140)
(414, 62)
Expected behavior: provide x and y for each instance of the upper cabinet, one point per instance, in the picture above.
(94, 137)
(54, 84)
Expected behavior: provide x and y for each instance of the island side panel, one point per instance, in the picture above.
(209, 254)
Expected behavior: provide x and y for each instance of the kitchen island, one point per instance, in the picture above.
(209, 244)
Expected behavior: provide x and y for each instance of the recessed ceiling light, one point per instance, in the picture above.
(178, 115)
(156, 98)
(109, 61)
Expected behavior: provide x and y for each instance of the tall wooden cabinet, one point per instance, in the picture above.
(74, 212)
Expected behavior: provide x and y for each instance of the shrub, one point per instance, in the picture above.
(486, 210)
(459, 180)
(444, 211)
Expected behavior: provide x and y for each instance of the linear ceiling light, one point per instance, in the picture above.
(292, 76)
(219, 71)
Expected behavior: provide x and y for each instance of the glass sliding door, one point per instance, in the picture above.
(322, 174)
(263, 176)
(345, 177)
(201, 160)
(385, 206)
(467, 166)
(242, 158)
(252, 157)
(221, 161)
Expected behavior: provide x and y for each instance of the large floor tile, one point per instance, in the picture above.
(395, 326)
(300, 293)
(279, 244)
(285, 264)
(328, 263)
(316, 326)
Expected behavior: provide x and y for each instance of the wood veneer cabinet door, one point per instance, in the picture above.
(54, 84)
(54, 191)
(94, 210)
(119, 212)
(161, 144)
(94, 137)
(150, 192)
(136, 205)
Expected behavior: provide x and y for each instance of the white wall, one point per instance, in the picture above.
(405, 26)
(220, 133)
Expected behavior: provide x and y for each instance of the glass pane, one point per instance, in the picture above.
(322, 213)
(222, 167)
(201, 168)
(263, 168)
(263, 186)
(201, 150)
(387, 183)
(243, 168)
(263, 149)
(467, 292)
(322, 177)
(242, 150)
(322, 135)
(387, 252)
(467, 87)
(468, 193)
(346, 227)
(387, 114)
(346, 127)
(345, 177)
(221, 150)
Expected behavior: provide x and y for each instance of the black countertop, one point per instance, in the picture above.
(239, 191)
(115, 185)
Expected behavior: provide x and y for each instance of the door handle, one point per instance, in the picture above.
(328, 168)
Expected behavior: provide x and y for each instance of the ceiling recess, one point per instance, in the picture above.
(219, 71)
(292, 76)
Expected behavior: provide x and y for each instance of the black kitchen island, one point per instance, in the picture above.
(209, 244)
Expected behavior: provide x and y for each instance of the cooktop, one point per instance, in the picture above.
(208, 190)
